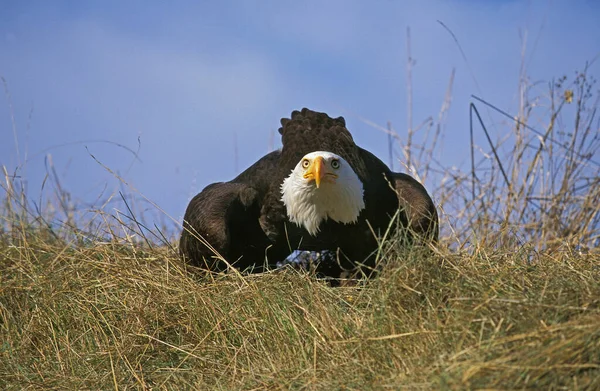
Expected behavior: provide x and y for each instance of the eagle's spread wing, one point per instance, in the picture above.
(221, 222)
(417, 211)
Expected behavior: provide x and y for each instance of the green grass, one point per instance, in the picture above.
(108, 317)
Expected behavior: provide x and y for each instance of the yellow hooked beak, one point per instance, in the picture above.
(317, 171)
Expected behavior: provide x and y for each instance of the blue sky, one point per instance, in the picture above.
(186, 79)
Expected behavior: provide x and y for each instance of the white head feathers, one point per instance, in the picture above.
(322, 186)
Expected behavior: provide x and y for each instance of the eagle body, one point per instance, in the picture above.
(319, 192)
(308, 131)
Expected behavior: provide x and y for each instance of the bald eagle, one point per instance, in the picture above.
(319, 192)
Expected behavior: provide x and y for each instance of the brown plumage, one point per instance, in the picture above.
(418, 211)
(246, 222)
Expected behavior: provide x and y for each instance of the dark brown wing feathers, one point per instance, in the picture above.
(420, 214)
(225, 215)
(308, 131)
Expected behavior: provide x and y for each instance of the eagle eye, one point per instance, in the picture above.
(305, 163)
(335, 163)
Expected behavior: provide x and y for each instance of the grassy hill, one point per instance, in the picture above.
(112, 317)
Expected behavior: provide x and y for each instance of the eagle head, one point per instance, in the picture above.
(322, 186)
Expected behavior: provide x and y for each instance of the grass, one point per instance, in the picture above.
(108, 317)
(510, 299)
